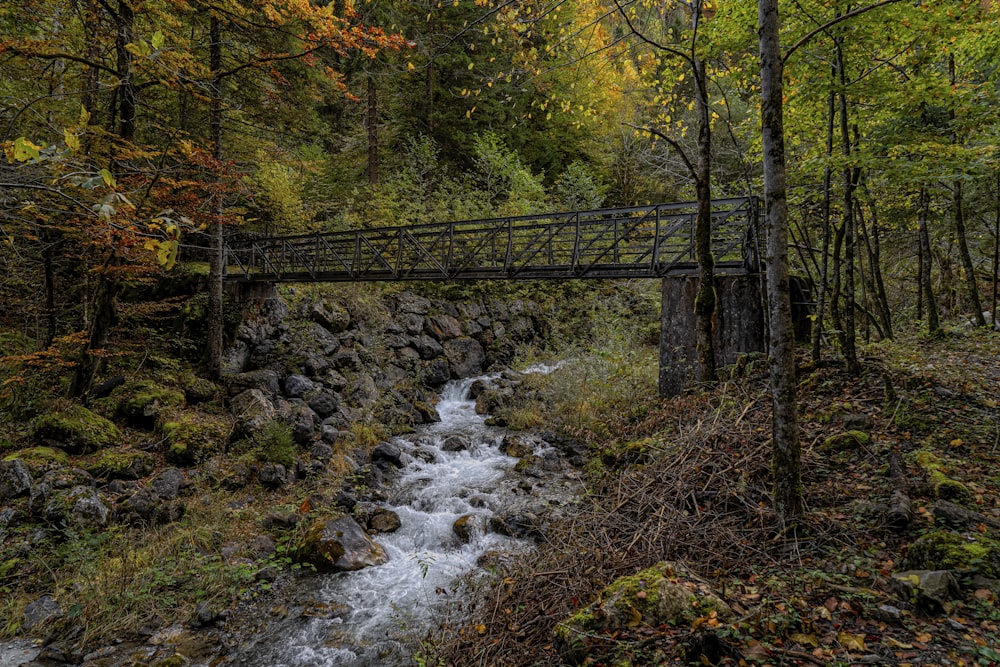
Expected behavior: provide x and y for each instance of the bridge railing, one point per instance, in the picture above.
(642, 241)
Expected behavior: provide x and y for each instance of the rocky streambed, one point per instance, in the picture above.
(463, 503)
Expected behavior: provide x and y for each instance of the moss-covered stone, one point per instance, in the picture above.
(121, 465)
(191, 437)
(146, 402)
(76, 430)
(944, 486)
(847, 440)
(943, 550)
(40, 456)
(658, 595)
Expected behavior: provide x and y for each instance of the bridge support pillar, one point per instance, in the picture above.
(739, 326)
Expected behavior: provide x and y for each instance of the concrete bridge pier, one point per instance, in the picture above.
(739, 326)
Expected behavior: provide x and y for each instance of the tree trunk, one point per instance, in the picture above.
(996, 252)
(372, 131)
(786, 449)
(920, 277)
(704, 304)
(50, 291)
(971, 286)
(873, 245)
(933, 323)
(217, 252)
(850, 347)
(127, 94)
(817, 331)
(104, 317)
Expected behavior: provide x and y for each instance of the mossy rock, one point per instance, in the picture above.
(662, 594)
(76, 430)
(199, 390)
(146, 402)
(943, 550)
(121, 465)
(38, 457)
(847, 440)
(944, 487)
(192, 437)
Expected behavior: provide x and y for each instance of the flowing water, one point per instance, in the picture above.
(385, 607)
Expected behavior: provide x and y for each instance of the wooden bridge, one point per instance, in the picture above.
(638, 242)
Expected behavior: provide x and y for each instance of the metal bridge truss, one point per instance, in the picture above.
(638, 242)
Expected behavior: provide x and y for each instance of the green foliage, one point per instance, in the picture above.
(578, 188)
(273, 444)
(510, 186)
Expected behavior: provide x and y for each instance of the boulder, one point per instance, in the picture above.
(384, 521)
(325, 404)
(252, 410)
(408, 302)
(340, 545)
(443, 327)
(465, 356)
(465, 527)
(455, 443)
(944, 550)
(266, 381)
(273, 475)
(347, 360)
(192, 437)
(331, 316)
(199, 390)
(436, 373)
(930, 589)
(128, 464)
(15, 479)
(76, 430)
(147, 402)
(516, 446)
(661, 595)
(297, 385)
(43, 609)
(81, 507)
(426, 347)
(388, 453)
(168, 484)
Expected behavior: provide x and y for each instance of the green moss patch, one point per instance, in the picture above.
(40, 456)
(146, 402)
(191, 437)
(76, 430)
(943, 550)
(944, 487)
(121, 465)
(846, 440)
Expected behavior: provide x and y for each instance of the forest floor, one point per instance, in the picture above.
(689, 482)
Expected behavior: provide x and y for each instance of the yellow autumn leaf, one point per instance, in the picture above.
(410, 66)
(852, 642)
(804, 639)
(72, 141)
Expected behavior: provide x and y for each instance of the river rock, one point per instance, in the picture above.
(297, 385)
(384, 521)
(387, 452)
(340, 545)
(465, 527)
(516, 446)
(455, 443)
(436, 373)
(15, 479)
(465, 356)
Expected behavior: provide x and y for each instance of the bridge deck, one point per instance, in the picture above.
(637, 242)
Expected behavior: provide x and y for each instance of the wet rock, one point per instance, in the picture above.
(517, 446)
(15, 479)
(384, 521)
(297, 385)
(455, 443)
(428, 414)
(387, 452)
(43, 609)
(252, 410)
(465, 527)
(930, 589)
(340, 545)
(204, 615)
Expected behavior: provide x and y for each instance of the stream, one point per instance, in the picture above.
(374, 616)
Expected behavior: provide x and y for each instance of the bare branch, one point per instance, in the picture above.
(829, 24)
(673, 144)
